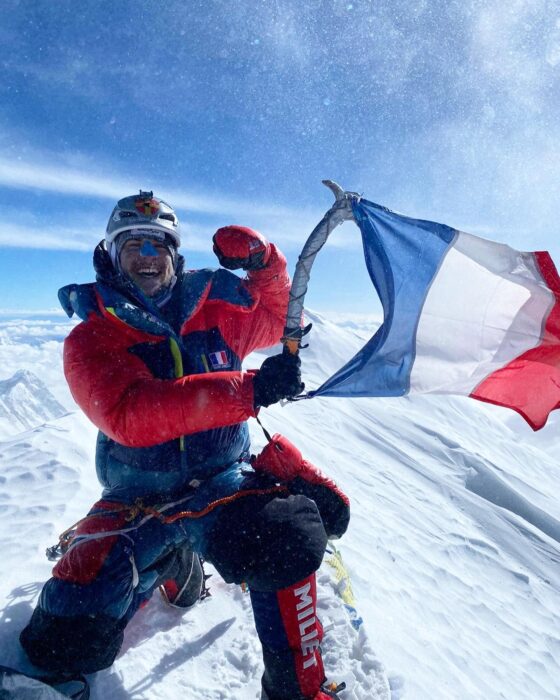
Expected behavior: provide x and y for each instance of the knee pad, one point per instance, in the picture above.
(77, 644)
(269, 544)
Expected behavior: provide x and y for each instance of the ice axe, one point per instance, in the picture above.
(340, 211)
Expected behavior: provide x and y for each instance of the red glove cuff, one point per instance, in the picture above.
(283, 460)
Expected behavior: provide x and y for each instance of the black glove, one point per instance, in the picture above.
(278, 378)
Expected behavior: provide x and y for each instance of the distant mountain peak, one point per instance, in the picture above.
(25, 402)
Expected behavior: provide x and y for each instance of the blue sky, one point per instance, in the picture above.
(234, 112)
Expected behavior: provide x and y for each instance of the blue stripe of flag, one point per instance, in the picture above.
(402, 256)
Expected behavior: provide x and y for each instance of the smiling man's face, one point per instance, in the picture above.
(147, 263)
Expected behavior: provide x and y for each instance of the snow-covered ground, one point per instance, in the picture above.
(453, 546)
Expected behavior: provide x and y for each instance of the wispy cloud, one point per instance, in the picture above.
(47, 238)
(62, 179)
(201, 213)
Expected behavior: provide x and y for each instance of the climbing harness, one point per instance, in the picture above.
(70, 537)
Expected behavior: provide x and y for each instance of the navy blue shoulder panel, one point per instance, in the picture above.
(143, 319)
(193, 287)
(227, 287)
(78, 299)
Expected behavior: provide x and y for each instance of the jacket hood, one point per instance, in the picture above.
(115, 288)
(115, 291)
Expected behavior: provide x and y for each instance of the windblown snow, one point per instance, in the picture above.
(453, 547)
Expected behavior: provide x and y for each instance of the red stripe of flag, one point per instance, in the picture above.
(530, 384)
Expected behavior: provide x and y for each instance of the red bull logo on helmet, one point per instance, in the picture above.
(147, 207)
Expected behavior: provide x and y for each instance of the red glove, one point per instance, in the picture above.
(284, 461)
(241, 247)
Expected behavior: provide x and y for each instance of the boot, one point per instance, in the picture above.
(187, 585)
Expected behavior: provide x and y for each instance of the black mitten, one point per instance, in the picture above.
(278, 378)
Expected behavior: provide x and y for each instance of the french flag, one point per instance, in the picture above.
(219, 360)
(462, 315)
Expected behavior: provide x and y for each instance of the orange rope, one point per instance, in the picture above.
(168, 519)
(138, 508)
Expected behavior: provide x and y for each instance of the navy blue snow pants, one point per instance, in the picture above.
(273, 541)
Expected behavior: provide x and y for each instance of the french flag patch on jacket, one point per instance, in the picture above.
(219, 360)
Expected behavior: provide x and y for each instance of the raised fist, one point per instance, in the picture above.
(239, 247)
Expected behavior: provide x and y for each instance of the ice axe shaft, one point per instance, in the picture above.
(340, 211)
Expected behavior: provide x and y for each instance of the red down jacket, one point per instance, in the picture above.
(165, 388)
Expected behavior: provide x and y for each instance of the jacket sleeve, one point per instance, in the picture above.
(264, 325)
(120, 396)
